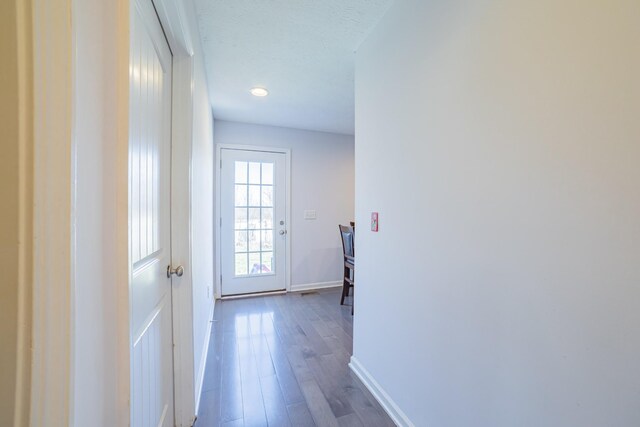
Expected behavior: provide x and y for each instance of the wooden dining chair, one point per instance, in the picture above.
(348, 252)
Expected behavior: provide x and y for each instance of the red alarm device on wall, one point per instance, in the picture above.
(374, 222)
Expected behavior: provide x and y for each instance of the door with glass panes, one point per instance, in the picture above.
(253, 241)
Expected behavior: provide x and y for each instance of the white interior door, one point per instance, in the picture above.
(253, 221)
(149, 238)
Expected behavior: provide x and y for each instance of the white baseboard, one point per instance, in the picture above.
(396, 414)
(203, 360)
(312, 286)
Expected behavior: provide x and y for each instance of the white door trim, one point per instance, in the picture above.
(58, 138)
(49, 354)
(287, 153)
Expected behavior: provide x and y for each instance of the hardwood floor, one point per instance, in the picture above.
(282, 361)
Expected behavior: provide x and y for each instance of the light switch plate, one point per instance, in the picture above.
(310, 214)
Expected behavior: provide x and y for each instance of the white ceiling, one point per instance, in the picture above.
(302, 51)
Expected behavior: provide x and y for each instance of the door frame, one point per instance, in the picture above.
(218, 213)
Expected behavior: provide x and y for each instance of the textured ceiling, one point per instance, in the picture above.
(302, 51)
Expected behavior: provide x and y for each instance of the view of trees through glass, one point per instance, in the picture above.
(254, 230)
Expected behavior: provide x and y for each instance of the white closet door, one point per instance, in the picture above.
(149, 225)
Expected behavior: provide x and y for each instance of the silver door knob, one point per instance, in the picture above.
(178, 271)
(283, 232)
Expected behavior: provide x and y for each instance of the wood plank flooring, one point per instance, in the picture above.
(282, 361)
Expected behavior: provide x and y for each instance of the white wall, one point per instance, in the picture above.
(16, 215)
(10, 214)
(322, 179)
(202, 173)
(500, 143)
(100, 360)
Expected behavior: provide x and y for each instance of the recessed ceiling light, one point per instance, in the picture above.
(259, 91)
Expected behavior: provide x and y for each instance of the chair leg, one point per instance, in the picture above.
(352, 275)
(353, 300)
(345, 291)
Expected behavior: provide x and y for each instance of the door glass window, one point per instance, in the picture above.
(254, 232)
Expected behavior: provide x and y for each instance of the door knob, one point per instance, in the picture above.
(283, 232)
(178, 271)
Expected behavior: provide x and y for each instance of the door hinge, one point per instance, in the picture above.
(220, 222)
(221, 279)
(220, 162)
